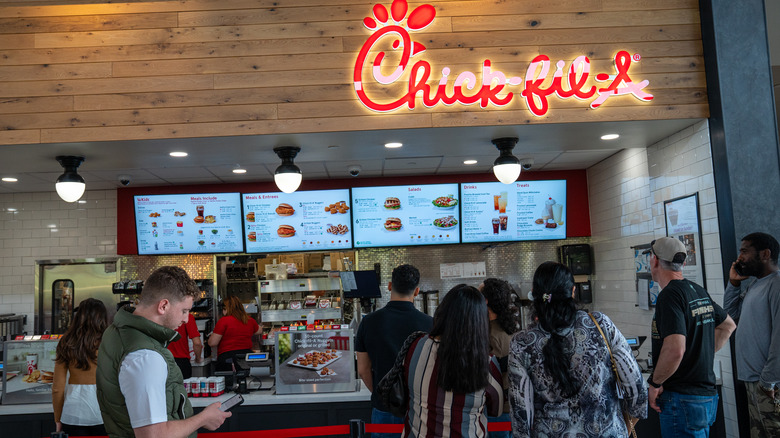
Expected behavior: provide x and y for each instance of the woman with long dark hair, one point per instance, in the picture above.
(503, 324)
(232, 333)
(561, 377)
(76, 409)
(453, 382)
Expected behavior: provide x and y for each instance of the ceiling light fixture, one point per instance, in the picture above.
(287, 176)
(178, 154)
(70, 185)
(610, 136)
(239, 170)
(470, 162)
(393, 145)
(506, 167)
(10, 179)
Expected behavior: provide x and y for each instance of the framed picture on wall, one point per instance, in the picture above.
(683, 222)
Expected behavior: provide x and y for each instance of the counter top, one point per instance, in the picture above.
(254, 398)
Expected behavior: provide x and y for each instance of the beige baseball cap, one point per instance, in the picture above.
(669, 249)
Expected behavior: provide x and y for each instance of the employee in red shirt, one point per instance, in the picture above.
(233, 333)
(181, 348)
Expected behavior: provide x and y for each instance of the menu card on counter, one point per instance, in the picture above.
(523, 210)
(187, 224)
(405, 215)
(299, 221)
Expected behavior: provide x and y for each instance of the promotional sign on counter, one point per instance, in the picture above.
(523, 210)
(299, 221)
(187, 224)
(29, 371)
(314, 361)
(405, 215)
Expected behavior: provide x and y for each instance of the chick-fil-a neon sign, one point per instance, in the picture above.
(493, 86)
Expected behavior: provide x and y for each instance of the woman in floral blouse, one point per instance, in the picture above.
(561, 378)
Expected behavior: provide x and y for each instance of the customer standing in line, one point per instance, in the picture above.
(503, 324)
(232, 333)
(453, 381)
(688, 328)
(181, 348)
(381, 335)
(752, 298)
(76, 409)
(560, 373)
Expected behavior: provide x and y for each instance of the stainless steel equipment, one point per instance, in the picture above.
(63, 284)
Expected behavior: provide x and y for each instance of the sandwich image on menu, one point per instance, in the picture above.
(285, 231)
(393, 224)
(392, 203)
(285, 209)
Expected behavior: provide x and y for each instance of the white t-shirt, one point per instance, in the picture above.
(142, 377)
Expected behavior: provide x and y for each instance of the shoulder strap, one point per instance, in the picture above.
(604, 337)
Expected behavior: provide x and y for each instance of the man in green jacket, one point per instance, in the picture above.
(140, 388)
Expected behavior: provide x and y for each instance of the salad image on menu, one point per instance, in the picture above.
(524, 210)
(405, 215)
(303, 220)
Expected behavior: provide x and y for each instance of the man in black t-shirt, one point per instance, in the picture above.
(688, 328)
(382, 333)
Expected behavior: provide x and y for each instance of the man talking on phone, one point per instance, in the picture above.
(140, 388)
(752, 298)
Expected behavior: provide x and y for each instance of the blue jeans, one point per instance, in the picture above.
(501, 418)
(382, 417)
(684, 415)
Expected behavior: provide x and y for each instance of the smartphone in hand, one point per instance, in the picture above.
(231, 403)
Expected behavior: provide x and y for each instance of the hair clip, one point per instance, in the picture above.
(547, 297)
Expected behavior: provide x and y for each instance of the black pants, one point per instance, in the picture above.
(98, 430)
(222, 364)
(184, 366)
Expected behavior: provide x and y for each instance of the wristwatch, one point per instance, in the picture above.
(653, 384)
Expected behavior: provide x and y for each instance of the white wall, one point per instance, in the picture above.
(40, 226)
(626, 193)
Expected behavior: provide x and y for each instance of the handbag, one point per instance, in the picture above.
(392, 388)
(626, 415)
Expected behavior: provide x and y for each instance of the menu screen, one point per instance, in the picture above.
(405, 215)
(187, 224)
(524, 210)
(298, 221)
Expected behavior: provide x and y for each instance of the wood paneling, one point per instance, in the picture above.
(88, 70)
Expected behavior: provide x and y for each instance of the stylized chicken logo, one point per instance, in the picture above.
(420, 18)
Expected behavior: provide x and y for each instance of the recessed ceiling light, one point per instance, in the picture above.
(179, 154)
(470, 162)
(9, 179)
(239, 170)
(10, 209)
(54, 230)
(52, 225)
(393, 145)
(610, 136)
(81, 201)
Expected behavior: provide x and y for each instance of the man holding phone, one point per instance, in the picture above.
(140, 388)
(753, 291)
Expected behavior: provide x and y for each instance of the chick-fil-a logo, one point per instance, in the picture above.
(494, 86)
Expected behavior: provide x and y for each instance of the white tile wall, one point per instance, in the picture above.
(40, 226)
(626, 193)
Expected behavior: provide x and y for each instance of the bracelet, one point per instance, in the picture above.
(653, 384)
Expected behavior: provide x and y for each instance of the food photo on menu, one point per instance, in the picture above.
(181, 224)
(425, 214)
(299, 221)
(524, 210)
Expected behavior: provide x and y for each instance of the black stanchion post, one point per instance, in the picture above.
(357, 429)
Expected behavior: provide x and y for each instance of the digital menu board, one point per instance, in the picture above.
(187, 224)
(405, 215)
(523, 210)
(298, 221)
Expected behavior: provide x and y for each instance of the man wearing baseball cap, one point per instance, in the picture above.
(688, 328)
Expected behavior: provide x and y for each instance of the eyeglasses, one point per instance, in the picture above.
(650, 250)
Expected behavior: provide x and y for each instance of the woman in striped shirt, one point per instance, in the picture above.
(453, 382)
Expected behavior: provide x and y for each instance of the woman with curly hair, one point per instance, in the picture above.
(561, 379)
(503, 324)
(76, 409)
(232, 333)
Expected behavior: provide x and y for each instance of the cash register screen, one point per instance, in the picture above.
(256, 356)
(360, 284)
(633, 343)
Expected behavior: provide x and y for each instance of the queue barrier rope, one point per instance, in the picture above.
(356, 429)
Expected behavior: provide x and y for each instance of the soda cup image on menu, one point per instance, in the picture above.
(32, 363)
(503, 220)
(502, 202)
(495, 202)
(496, 222)
(199, 209)
(557, 210)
